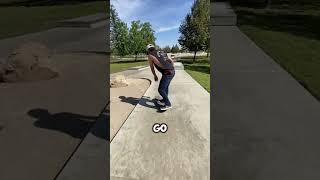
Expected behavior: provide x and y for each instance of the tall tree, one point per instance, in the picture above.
(118, 34)
(114, 19)
(195, 28)
(140, 35)
(167, 49)
(122, 41)
(175, 49)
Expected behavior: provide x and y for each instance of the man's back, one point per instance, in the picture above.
(163, 58)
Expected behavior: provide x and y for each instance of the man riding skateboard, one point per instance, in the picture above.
(164, 65)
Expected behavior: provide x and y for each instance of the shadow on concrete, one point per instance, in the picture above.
(101, 129)
(75, 125)
(143, 101)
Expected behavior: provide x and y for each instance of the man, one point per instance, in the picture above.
(164, 65)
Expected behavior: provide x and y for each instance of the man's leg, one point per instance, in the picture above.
(163, 89)
(169, 78)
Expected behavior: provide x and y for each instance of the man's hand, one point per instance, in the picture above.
(155, 77)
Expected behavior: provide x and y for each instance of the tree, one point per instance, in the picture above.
(113, 21)
(140, 35)
(175, 49)
(167, 49)
(118, 34)
(195, 28)
(122, 41)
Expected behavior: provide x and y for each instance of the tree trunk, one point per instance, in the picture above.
(135, 59)
(208, 54)
(194, 57)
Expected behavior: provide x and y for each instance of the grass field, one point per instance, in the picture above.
(199, 71)
(21, 19)
(124, 65)
(291, 37)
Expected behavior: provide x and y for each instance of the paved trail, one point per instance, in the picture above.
(61, 40)
(182, 152)
(266, 125)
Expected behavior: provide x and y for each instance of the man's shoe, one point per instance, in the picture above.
(161, 103)
(164, 108)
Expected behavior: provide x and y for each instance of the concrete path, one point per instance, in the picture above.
(266, 125)
(62, 40)
(44, 121)
(91, 160)
(34, 145)
(183, 152)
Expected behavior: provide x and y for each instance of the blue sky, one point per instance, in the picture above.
(165, 16)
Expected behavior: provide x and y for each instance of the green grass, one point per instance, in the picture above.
(124, 65)
(291, 37)
(20, 20)
(199, 71)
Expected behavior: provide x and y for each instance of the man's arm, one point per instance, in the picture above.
(152, 69)
(170, 60)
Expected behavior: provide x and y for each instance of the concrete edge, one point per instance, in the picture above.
(96, 139)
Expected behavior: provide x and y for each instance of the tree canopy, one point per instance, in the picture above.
(126, 41)
(195, 28)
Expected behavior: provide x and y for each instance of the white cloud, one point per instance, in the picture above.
(164, 29)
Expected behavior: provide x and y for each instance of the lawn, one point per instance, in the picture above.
(124, 65)
(291, 37)
(199, 70)
(18, 20)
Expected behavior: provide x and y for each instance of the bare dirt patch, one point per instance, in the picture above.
(119, 81)
(123, 100)
(29, 62)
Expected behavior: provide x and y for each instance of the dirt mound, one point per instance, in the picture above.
(29, 62)
(119, 81)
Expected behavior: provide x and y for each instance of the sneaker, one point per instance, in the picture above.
(164, 108)
(160, 102)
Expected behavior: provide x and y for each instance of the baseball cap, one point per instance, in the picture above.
(149, 46)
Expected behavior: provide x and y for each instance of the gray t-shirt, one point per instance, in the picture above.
(163, 59)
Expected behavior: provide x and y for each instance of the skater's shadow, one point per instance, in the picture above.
(143, 101)
(75, 125)
(101, 128)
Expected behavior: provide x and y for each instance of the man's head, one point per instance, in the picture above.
(150, 48)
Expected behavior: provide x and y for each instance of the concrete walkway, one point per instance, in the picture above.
(266, 125)
(183, 152)
(44, 122)
(62, 40)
